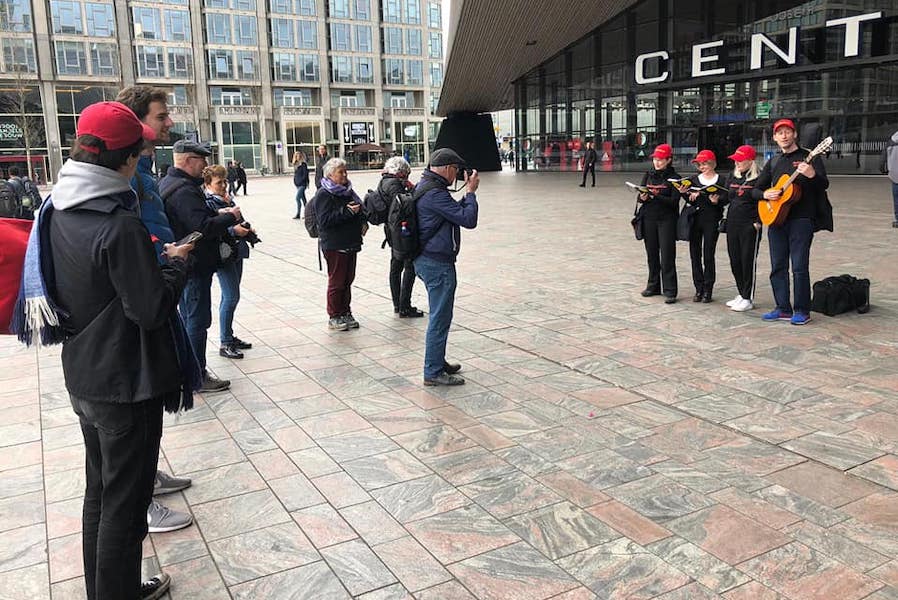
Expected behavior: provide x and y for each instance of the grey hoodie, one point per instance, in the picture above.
(892, 158)
(79, 182)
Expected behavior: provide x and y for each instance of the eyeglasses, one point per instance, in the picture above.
(194, 157)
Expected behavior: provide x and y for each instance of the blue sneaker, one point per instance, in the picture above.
(777, 315)
(800, 318)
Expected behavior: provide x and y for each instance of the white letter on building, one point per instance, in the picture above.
(640, 67)
(698, 59)
(853, 30)
(758, 40)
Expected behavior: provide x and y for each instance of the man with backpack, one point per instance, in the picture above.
(439, 218)
(29, 196)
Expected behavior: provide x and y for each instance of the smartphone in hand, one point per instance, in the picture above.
(190, 238)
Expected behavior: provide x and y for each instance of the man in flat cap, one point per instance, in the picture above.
(440, 217)
(187, 212)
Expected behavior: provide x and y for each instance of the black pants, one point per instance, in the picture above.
(402, 279)
(660, 238)
(238, 186)
(232, 186)
(592, 169)
(121, 444)
(702, 249)
(743, 241)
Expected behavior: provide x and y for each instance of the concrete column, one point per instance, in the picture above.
(200, 78)
(51, 128)
(125, 45)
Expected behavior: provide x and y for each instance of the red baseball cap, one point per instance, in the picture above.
(784, 123)
(745, 152)
(704, 156)
(662, 151)
(114, 123)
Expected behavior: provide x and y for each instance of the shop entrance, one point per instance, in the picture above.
(722, 140)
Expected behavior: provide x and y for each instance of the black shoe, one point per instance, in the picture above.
(670, 300)
(395, 310)
(445, 379)
(582, 185)
(706, 297)
(593, 185)
(649, 292)
(895, 224)
(154, 588)
(410, 313)
(350, 321)
(230, 351)
(240, 344)
(297, 217)
(697, 297)
(214, 384)
(451, 368)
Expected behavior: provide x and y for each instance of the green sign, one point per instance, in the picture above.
(762, 110)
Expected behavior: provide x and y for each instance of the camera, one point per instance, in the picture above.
(460, 175)
(251, 238)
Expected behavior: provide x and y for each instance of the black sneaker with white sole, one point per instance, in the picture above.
(155, 587)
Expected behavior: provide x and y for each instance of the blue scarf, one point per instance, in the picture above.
(35, 312)
(340, 190)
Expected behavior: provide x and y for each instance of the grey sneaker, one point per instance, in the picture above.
(350, 321)
(168, 484)
(155, 587)
(161, 519)
(338, 324)
(214, 384)
(445, 378)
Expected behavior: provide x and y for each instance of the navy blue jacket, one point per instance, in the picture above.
(301, 175)
(440, 218)
(152, 209)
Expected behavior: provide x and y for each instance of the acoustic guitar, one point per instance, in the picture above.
(774, 212)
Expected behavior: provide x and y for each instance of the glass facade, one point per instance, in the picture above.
(716, 75)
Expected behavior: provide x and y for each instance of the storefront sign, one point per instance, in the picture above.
(705, 55)
(356, 133)
(10, 132)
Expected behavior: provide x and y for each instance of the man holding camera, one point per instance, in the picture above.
(185, 205)
(440, 218)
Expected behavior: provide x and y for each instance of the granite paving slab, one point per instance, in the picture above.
(310, 582)
(261, 552)
(561, 529)
(461, 533)
(357, 567)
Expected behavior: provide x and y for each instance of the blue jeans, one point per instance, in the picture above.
(229, 276)
(300, 199)
(895, 199)
(791, 241)
(439, 279)
(196, 310)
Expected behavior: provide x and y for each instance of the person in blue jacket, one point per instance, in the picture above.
(440, 218)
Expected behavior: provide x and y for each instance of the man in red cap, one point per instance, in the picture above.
(119, 358)
(791, 241)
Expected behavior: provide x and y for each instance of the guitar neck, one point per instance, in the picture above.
(794, 175)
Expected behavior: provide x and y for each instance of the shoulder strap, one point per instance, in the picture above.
(174, 187)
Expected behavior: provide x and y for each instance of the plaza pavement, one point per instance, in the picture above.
(606, 445)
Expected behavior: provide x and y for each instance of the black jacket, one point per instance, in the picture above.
(707, 210)
(319, 168)
(813, 203)
(338, 227)
(664, 204)
(232, 173)
(389, 187)
(301, 175)
(119, 301)
(743, 206)
(591, 157)
(241, 174)
(185, 205)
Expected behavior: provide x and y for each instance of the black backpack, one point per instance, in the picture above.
(10, 204)
(376, 207)
(32, 192)
(310, 218)
(839, 294)
(402, 222)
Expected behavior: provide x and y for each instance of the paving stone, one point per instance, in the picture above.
(357, 567)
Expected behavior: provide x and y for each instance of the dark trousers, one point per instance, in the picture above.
(340, 275)
(660, 238)
(402, 279)
(196, 310)
(791, 242)
(238, 186)
(121, 444)
(702, 249)
(592, 169)
(743, 241)
(232, 186)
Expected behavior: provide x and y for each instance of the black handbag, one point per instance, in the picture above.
(840, 294)
(722, 225)
(636, 223)
(685, 221)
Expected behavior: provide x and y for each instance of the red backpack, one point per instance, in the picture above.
(13, 242)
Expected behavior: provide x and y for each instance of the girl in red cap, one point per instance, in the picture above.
(743, 227)
(658, 209)
(708, 197)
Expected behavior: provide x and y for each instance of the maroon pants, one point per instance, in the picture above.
(340, 274)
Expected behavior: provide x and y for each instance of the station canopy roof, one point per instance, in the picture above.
(494, 42)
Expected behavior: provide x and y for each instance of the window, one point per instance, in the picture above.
(393, 72)
(434, 102)
(180, 63)
(341, 69)
(230, 96)
(15, 15)
(66, 17)
(246, 64)
(283, 66)
(309, 70)
(340, 37)
(308, 34)
(18, 55)
(150, 62)
(282, 33)
(221, 64)
(178, 96)
(434, 15)
(177, 25)
(104, 59)
(339, 9)
(392, 40)
(281, 7)
(100, 22)
(71, 58)
(306, 7)
(245, 30)
(349, 100)
(363, 38)
(392, 11)
(217, 4)
(436, 45)
(292, 97)
(398, 100)
(364, 70)
(218, 28)
(412, 12)
(147, 24)
(362, 10)
(436, 74)
(413, 42)
(244, 4)
(415, 72)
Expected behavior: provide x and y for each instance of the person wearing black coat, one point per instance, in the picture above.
(341, 225)
(320, 161)
(301, 181)
(402, 272)
(743, 227)
(241, 178)
(658, 210)
(232, 177)
(589, 164)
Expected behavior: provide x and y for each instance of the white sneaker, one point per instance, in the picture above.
(735, 301)
(742, 306)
